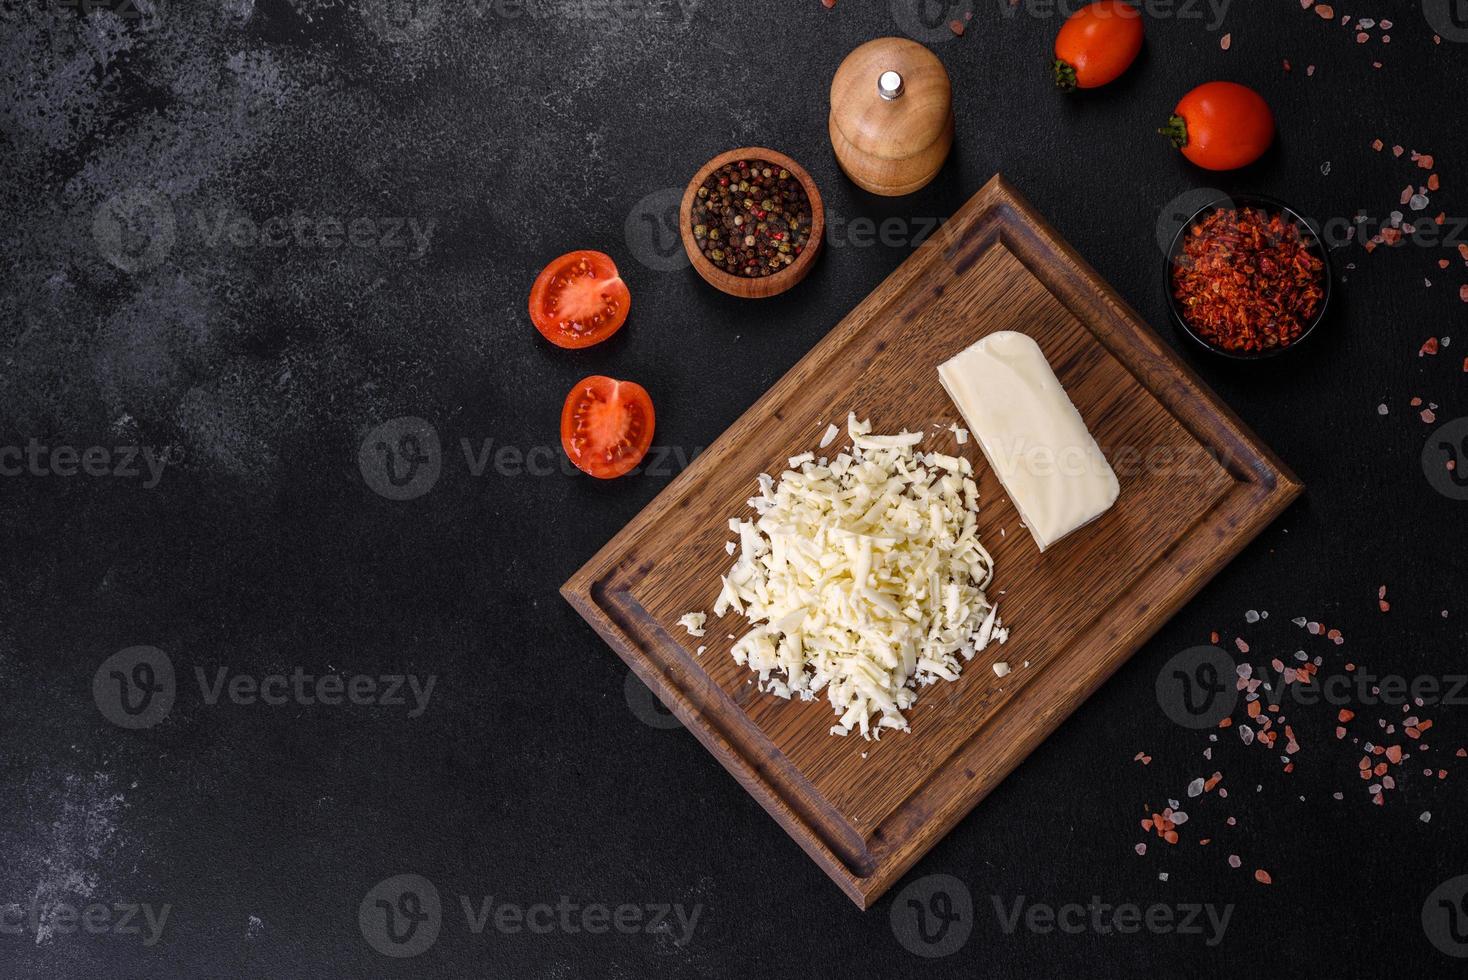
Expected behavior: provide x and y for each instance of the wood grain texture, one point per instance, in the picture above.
(891, 147)
(746, 287)
(1196, 487)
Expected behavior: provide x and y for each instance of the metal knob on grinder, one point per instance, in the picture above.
(891, 122)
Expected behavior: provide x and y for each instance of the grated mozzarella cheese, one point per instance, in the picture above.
(692, 622)
(862, 578)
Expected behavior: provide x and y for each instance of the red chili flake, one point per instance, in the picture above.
(1377, 145)
(1429, 416)
(1443, 263)
(1463, 251)
(1463, 293)
(1239, 642)
(1213, 636)
(1345, 715)
(828, 4)
(1433, 183)
(1429, 346)
(1262, 877)
(1248, 280)
(956, 26)
(1425, 161)
(1465, 365)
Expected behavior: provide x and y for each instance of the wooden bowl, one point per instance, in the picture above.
(744, 286)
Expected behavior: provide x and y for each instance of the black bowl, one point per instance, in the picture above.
(1312, 241)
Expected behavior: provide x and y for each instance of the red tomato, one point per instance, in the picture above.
(1096, 44)
(1221, 126)
(606, 426)
(579, 299)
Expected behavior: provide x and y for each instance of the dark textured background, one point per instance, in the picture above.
(521, 135)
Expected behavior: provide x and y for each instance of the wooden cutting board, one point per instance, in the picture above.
(1196, 486)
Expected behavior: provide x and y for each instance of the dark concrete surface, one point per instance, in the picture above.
(239, 236)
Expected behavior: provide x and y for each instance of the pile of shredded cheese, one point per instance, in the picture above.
(862, 577)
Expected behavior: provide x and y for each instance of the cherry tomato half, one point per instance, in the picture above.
(1097, 44)
(606, 426)
(1221, 126)
(579, 299)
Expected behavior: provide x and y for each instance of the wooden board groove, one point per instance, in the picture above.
(1078, 611)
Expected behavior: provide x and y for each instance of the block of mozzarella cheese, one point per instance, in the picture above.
(1033, 437)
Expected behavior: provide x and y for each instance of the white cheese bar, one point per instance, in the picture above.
(1033, 437)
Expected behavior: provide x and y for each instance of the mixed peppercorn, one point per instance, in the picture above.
(1248, 281)
(751, 218)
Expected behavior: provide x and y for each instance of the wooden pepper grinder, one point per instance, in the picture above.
(891, 116)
